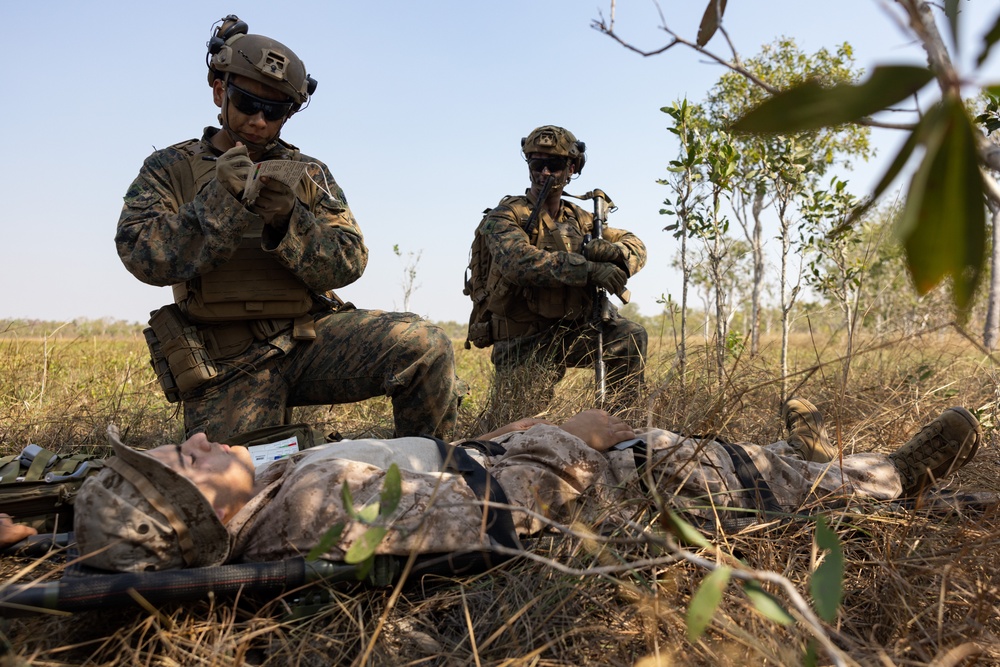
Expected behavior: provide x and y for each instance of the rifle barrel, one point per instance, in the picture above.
(81, 593)
(542, 195)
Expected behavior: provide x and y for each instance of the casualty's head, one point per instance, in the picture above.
(164, 508)
(552, 150)
(257, 82)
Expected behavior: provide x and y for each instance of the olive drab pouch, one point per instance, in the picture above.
(161, 367)
(277, 442)
(183, 349)
(476, 275)
(477, 281)
(37, 486)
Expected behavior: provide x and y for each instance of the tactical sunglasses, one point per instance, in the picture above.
(251, 105)
(553, 164)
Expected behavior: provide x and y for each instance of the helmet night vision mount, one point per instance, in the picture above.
(232, 50)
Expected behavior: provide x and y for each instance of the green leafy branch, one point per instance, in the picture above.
(826, 586)
(377, 516)
(944, 220)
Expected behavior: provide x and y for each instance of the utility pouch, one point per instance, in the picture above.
(183, 348)
(160, 366)
(38, 486)
(480, 333)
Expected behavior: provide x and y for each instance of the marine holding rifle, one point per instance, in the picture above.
(547, 268)
(255, 327)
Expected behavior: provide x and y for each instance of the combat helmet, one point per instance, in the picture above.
(231, 50)
(554, 140)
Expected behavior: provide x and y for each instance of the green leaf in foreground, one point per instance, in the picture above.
(811, 658)
(392, 491)
(364, 547)
(943, 226)
(347, 500)
(710, 21)
(767, 604)
(705, 601)
(827, 583)
(368, 513)
(991, 38)
(811, 106)
(326, 542)
(917, 137)
(952, 12)
(685, 532)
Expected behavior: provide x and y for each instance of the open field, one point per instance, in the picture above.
(920, 586)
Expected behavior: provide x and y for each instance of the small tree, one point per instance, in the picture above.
(702, 180)
(684, 181)
(409, 284)
(762, 176)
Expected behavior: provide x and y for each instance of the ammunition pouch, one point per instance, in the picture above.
(506, 329)
(173, 339)
(480, 334)
(556, 303)
(161, 367)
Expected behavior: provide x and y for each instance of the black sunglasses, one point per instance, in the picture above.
(553, 164)
(251, 105)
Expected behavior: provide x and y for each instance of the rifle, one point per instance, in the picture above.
(533, 218)
(87, 589)
(104, 591)
(602, 307)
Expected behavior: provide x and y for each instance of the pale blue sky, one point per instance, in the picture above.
(419, 113)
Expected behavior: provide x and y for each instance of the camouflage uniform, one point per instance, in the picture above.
(175, 226)
(543, 309)
(544, 469)
(700, 477)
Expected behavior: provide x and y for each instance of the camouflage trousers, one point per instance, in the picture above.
(357, 354)
(700, 477)
(529, 367)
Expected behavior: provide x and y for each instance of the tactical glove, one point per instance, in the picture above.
(607, 276)
(599, 250)
(274, 201)
(232, 169)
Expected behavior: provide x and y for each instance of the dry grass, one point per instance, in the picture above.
(920, 587)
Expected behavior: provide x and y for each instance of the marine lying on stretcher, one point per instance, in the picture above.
(202, 504)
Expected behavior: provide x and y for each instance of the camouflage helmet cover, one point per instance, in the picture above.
(555, 140)
(138, 514)
(232, 51)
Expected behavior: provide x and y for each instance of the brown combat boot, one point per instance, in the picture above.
(806, 432)
(939, 449)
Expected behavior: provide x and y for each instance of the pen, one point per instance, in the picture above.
(209, 157)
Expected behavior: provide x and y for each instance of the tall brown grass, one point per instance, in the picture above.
(920, 587)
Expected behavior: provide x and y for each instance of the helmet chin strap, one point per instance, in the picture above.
(236, 137)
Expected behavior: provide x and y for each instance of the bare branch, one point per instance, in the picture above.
(925, 28)
(734, 65)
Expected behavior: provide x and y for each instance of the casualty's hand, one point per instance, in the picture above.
(519, 425)
(232, 169)
(11, 533)
(606, 275)
(599, 250)
(598, 429)
(274, 202)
